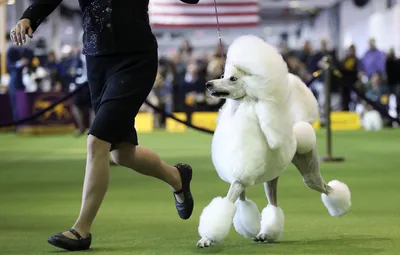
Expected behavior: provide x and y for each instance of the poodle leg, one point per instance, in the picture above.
(335, 195)
(216, 218)
(272, 218)
(247, 217)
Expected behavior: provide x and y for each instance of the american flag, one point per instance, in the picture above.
(231, 13)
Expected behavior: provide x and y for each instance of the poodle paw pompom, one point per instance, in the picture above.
(247, 218)
(338, 200)
(204, 242)
(216, 220)
(272, 224)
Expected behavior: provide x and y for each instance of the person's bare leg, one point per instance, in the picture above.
(148, 163)
(95, 185)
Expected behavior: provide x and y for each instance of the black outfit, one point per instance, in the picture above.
(121, 53)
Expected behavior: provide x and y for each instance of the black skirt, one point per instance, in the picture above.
(119, 84)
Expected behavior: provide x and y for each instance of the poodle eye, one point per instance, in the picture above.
(233, 79)
(222, 76)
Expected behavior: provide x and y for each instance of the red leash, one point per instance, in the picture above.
(221, 47)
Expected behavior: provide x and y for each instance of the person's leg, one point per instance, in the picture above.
(94, 189)
(97, 163)
(146, 162)
(95, 184)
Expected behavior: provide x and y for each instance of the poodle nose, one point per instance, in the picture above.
(209, 85)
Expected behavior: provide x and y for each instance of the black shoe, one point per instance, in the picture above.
(185, 209)
(61, 241)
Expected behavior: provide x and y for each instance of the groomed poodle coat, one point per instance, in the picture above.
(264, 126)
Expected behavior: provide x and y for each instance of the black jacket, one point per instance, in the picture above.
(110, 26)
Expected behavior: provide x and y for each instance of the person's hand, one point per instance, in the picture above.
(20, 31)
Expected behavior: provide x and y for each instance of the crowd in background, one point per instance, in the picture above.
(180, 83)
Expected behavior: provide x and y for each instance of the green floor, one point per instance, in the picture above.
(41, 179)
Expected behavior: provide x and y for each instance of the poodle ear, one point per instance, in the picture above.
(274, 123)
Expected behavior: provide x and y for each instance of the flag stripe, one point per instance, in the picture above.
(240, 4)
(204, 25)
(234, 13)
(189, 10)
(207, 14)
(204, 20)
(207, 1)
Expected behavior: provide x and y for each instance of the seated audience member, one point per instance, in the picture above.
(378, 90)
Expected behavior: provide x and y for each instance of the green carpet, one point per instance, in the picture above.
(41, 180)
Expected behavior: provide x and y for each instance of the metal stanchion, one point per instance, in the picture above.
(328, 86)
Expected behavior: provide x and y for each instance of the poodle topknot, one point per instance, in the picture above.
(256, 58)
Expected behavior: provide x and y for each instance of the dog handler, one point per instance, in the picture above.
(122, 61)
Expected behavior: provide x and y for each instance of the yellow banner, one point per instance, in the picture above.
(345, 121)
(174, 126)
(144, 122)
(207, 120)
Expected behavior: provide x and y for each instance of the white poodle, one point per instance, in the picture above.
(262, 128)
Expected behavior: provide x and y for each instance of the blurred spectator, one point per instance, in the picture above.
(15, 62)
(349, 68)
(54, 69)
(316, 63)
(163, 91)
(179, 65)
(374, 60)
(186, 51)
(191, 89)
(393, 76)
(305, 55)
(297, 67)
(377, 90)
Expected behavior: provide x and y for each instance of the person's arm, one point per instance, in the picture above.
(31, 19)
(190, 1)
(39, 10)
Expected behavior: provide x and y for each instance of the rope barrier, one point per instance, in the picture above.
(43, 111)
